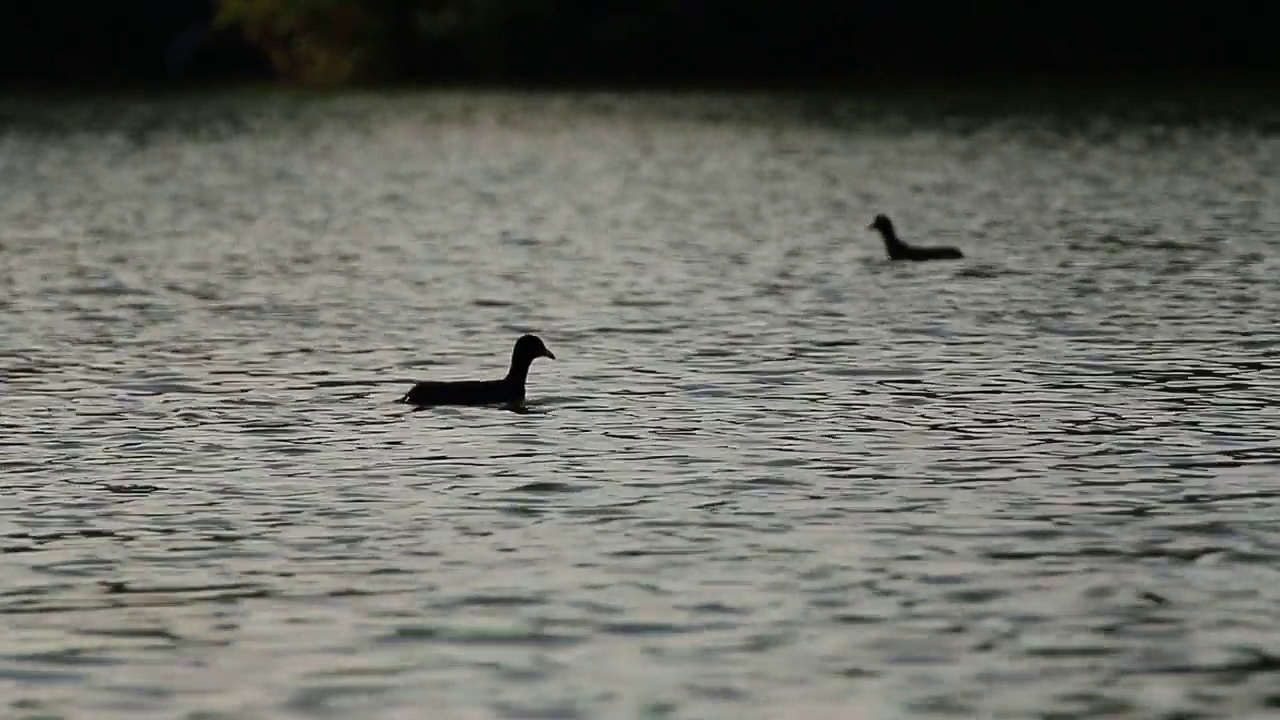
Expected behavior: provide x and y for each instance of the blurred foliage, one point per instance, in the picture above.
(312, 41)
(336, 41)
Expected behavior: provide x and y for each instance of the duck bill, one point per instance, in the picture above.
(548, 354)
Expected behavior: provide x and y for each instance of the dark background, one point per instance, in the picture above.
(185, 42)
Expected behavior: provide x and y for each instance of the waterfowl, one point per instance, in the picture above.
(507, 391)
(899, 250)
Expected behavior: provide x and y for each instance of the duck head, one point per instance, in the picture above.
(529, 348)
(882, 223)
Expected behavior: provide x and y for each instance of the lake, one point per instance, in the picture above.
(769, 475)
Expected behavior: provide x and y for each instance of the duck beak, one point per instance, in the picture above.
(548, 354)
(872, 226)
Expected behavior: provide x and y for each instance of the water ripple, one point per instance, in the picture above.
(769, 475)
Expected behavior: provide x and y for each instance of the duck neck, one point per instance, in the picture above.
(519, 370)
(891, 240)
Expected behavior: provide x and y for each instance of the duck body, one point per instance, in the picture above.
(919, 254)
(899, 250)
(465, 392)
(509, 390)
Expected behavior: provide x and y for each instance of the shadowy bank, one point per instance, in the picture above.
(341, 42)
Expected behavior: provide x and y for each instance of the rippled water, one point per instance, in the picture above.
(770, 475)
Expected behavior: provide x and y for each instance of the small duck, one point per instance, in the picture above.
(899, 250)
(507, 391)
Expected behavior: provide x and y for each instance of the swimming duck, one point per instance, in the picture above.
(507, 391)
(899, 250)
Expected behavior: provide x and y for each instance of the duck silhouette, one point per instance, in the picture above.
(899, 250)
(506, 391)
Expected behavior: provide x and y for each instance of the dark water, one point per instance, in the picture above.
(770, 475)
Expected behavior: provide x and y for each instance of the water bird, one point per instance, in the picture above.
(506, 391)
(899, 250)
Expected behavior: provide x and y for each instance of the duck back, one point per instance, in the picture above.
(465, 392)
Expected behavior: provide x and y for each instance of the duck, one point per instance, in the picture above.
(899, 250)
(505, 391)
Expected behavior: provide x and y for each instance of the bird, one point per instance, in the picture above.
(899, 250)
(506, 391)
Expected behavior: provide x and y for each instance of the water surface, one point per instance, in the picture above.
(771, 475)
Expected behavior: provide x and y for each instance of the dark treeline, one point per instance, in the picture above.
(339, 41)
